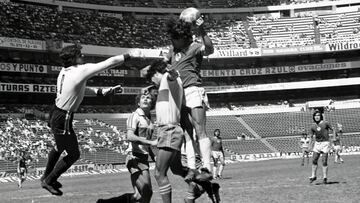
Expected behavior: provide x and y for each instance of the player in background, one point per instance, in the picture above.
(186, 57)
(217, 154)
(21, 169)
(305, 148)
(321, 142)
(71, 88)
(337, 143)
(139, 134)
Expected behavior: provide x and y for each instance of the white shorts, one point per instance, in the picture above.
(217, 155)
(322, 147)
(195, 97)
(337, 147)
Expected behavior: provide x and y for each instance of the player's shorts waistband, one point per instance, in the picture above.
(62, 110)
(169, 125)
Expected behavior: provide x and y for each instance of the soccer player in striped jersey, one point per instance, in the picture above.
(321, 139)
(305, 148)
(139, 134)
(337, 143)
(186, 57)
(71, 88)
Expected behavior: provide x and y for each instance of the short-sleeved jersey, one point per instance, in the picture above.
(139, 123)
(321, 131)
(169, 101)
(71, 83)
(187, 62)
(304, 142)
(216, 144)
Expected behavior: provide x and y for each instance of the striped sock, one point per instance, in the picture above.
(165, 192)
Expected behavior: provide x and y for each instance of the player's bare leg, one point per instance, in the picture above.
(314, 167)
(198, 115)
(163, 161)
(143, 184)
(325, 167)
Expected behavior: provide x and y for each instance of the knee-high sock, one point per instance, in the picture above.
(165, 192)
(214, 171)
(313, 170)
(190, 155)
(221, 169)
(53, 157)
(205, 148)
(325, 171)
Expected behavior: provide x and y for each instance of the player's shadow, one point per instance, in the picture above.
(125, 198)
(329, 183)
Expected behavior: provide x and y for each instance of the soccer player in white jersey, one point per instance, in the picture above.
(305, 145)
(337, 143)
(71, 87)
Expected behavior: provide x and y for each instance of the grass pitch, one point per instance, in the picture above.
(265, 181)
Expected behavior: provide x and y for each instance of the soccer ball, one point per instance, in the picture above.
(190, 15)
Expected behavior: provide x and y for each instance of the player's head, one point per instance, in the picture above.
(144, 101)
(317, 116)
(217, 132)
(339, 127)
(180, 32)
(156, 70)
(71, 55)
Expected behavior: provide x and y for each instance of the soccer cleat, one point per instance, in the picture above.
(57, 184)
(51, 189)
(325, 181)
(190, 175)
(312, 179)
(204, 175)
(219, 177)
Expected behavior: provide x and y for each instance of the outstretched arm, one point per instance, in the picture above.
(95, 68)
(103, 91)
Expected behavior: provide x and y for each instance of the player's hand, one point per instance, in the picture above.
(199, 22)
(136, 53)
(154, 142)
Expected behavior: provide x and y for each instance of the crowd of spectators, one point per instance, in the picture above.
(21, 135)
(90, 27)
(193, 3)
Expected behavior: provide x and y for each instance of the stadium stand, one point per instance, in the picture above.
(246, 146)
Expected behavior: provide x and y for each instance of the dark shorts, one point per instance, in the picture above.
(60, 122)
(136, 162)
(170, 136)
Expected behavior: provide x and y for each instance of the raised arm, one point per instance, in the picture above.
(208, 45)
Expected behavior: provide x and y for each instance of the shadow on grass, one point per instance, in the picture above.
(125, 198)
(329, 183)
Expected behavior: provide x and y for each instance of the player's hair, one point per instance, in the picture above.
(179, 29)
(216, 130)
(69, 53)
(321, 116)
(158, 65)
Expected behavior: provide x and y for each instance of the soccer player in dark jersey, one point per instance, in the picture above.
(321, 144)
(21, 169)
(186, 57)
(337, 143)
(71, 88)
(139, 134)
(305, 148)
(217, 154)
